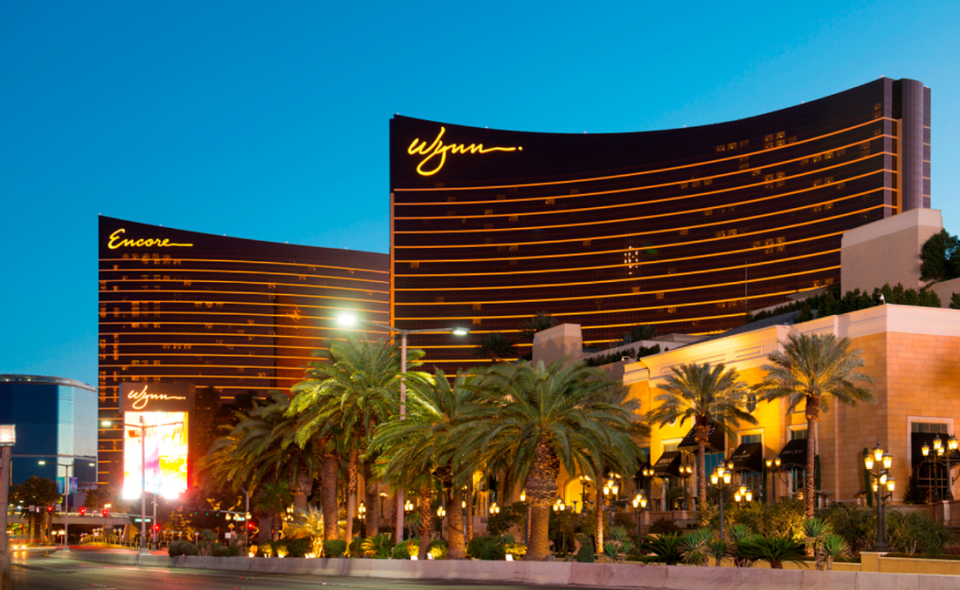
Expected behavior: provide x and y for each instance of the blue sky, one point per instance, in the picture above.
(270, 120)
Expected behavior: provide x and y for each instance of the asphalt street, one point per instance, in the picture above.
(43, 570)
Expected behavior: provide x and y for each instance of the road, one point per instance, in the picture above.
(37, 569)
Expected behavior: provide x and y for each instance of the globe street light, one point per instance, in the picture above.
(348, 320)
(639, 505)
(773, 467)
(943, 454)
(878, 464)
(721, 478)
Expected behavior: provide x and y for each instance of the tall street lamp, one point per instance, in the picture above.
(66, 502)
(639, 505)
(721, 478)
(8, 438)
(943, 454)
(348, 320)
(774, 468)
(143, 426)
(878, 464)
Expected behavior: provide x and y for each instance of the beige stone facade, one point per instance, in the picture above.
(887, 251)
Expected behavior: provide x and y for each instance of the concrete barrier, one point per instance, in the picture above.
(587, 575)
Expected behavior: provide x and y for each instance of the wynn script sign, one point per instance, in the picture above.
(155, 397)
(436, 152)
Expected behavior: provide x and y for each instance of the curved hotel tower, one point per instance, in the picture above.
(204, 310)
(686, 230)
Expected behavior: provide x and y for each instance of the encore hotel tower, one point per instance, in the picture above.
(686, 230)
(238, 315)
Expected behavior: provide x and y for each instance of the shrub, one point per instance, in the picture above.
(401, 551)
(664, 526)
(378, 546)
(497, 524)
(489, 548)
(515, 549)
(915, 532)
(265, 549)
(667, 548)
(301, 546)
(356, 547)
(182, 548)
(219, 550)
(857, 525)
(437, 549)
(774, 550)
(334, 548)
(586, 554)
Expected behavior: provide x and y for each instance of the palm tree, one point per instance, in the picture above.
(496, 346)
(341, 403)
(813, 369)
(533, 419)
(538, 323)
(425, 442)
(307, 523)
(707, 395)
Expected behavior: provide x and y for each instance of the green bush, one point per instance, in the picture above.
(182, 548)
(334, 548)
(301, 546)
(586, 554)
(916, 532)
(488, 548)
(378, 546)
(856, 525)
(219, 550)
(667, 548)
(773, 550)
(401, 551)
(356, 549)
(516, 514)
(437, 549)
(664, 526)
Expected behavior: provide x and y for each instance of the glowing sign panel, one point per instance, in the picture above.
(437, 148)
(165, 410)
(166, 453)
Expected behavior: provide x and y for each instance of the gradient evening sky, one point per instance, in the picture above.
(269, 120)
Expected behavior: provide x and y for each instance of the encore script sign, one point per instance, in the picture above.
(117, 241)
(437, 152)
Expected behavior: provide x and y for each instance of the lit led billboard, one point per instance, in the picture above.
(155, 419)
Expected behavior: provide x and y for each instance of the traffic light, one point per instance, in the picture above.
(83, 511)
(104, 513)
(49, 508)
(156, 527)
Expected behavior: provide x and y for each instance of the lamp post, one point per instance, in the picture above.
(441, 512)
(611, 492)
(686, 472)
(8, 438)
(349, 320)
(639, 505)
(66, 503)
(584, 484)
(143, 426)
(721, 478)
(743, 494)
(878, 464)
(943, 454)
(362, 515)
(773, 466)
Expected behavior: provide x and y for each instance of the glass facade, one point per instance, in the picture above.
(213, 311)
(686, 230)
(54, 416)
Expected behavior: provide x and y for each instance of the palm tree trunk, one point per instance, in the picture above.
(351, 493)
(541, 487)
(813, 416)
(331, 528)
(301, 488)
(702, 474)
(456, 548)
(469, 499)
(426, 523)
(599, 523)
(372, 499)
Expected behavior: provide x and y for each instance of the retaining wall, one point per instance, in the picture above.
(591, 575)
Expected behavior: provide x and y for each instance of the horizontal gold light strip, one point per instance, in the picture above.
(155, 314)
(140, 332)
(159, 262)
(621, 251)
(224, 282)
(263, 293)
(639, 188)
(631, 174)
(617, 295)
(646, 217)
(640, 278)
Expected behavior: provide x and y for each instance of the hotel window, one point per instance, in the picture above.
(708, 182)
(476, 321)
(744, 143)
(768, 138)
(683, 232)
(549, 201)
(488, 211)
(720, 148)
(732, 146)
(660, 295)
